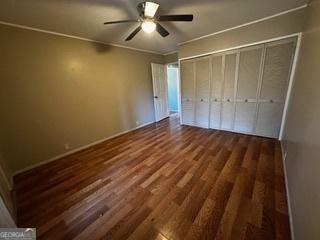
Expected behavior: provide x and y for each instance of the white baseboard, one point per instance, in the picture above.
(284, 156)
(76, 150)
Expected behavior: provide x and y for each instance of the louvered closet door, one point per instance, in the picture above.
(276, 73)
(202, 70)
(269, 119)
(247, 87)
(216, 90)
(227, 111)
(187, 75)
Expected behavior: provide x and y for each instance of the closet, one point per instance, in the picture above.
(242, 90)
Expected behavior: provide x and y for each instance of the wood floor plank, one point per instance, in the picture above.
(163, 181)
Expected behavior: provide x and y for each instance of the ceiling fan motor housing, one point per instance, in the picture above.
(140, 9)
(148, 22)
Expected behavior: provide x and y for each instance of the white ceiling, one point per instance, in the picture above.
(84, 18)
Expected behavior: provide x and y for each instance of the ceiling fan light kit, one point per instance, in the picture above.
(148, 26)
(148, 22)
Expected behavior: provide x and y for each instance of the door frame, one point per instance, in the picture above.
(153, 88)
(178, 82)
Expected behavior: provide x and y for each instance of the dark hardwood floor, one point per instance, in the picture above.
(164, 181)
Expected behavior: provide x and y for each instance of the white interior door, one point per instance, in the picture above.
(160, 91)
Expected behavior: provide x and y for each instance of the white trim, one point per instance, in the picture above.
(180, 95)
(77, 37)
(260, 80)
(241, 46)
(235, 90)
(168, 53)
(284, 156)
(78, 149)
(223, 68)
(150, 51)
(132, 48)
(177, 62)
(292, 76)
(178, 88)
(245, 24)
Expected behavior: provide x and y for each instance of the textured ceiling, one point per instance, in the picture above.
(84, 18)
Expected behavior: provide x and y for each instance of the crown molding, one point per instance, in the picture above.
(245, 24)
(241, 46)
(168, 53)
(77, 37)
(149, 51)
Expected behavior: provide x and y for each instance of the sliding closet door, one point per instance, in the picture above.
(276, 73)
(230, 72)
(202, 70)
(187, 75)
(247, 86)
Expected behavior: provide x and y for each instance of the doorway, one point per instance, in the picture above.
(166, 90)
(173, 88)
(160, 91)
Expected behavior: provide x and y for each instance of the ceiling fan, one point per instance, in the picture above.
(148, 22)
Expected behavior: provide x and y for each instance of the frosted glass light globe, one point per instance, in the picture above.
(148, 26)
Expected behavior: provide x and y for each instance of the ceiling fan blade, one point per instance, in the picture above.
(133, 33)
(150, 9)
(121, 21)
(175, 18)
(161, 30)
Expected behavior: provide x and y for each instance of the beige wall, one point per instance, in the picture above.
(56, 90)
(275, 27)
(171, 58)
(302, 133)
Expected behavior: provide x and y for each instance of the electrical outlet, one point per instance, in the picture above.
(137, 123)
(66, 146)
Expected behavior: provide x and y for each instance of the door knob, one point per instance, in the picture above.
(246, 100)
(228, 100)
(155, 96)
(271, 101)
(201, 100)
